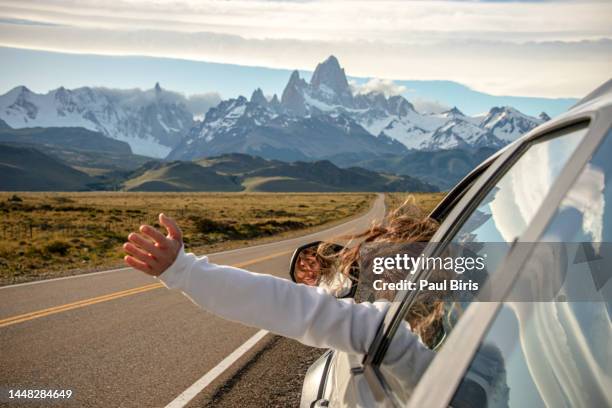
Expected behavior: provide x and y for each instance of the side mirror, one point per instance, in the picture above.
(308, 267)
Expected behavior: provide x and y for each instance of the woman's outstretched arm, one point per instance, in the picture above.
(304, 313)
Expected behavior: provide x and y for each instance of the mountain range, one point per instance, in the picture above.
(152, 122)
(325, 118)
(362, 141)
(310, 121)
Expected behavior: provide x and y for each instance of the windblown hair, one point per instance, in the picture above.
(405, 225)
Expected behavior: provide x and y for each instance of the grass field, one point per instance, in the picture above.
(45, 235)
(425, 201)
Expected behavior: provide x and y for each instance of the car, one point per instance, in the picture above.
(553, 185)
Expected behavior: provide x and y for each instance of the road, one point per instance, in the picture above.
(118, 338)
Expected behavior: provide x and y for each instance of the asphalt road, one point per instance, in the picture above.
(118, 338)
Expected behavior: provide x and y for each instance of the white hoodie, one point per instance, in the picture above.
(307, 314)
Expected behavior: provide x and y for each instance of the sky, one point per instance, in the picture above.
(548, 49)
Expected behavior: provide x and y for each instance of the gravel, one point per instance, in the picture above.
(273, 378)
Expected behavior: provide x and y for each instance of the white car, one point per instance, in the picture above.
(552, 185)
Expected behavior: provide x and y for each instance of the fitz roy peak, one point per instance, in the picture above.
(325, 118)
(152, 122)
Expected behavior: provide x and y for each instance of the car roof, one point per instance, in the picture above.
(601, 96)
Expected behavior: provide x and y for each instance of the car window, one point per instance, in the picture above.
(556, 352)
(500, 217)
(453, 197)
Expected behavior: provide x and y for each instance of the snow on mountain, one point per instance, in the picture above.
(268, 129)
(316, 119)
(507, 123)
(395, 117)
(152, 122)
(323, 117)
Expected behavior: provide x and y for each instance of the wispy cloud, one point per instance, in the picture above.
(377, 85)
(429, 106)
(531, 48)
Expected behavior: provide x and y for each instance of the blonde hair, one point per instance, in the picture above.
(405, 224)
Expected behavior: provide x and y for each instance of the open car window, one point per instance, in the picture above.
(499, 217)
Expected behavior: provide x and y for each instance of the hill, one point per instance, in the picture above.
(236, 163)
(67, 137)
(28, 169)
(332, 178)
(443, 168)
(180, 176)
(88, 151)
(236, 172)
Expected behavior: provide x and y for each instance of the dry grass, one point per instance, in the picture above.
(425, 201)
(45, 235)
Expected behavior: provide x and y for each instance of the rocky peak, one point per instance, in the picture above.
(378, 100)
(454, 112)
(295, 81)
(399, 105)
(293, 98)
(62, 95)
(258, 98)
(23, 89)
(19, 93)
(544, 117)
(330, 74)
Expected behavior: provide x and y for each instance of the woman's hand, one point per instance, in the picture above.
(151, 251)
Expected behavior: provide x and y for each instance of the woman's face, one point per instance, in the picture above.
(308, 270)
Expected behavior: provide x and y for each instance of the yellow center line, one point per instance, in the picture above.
(263, 258)
(111, 296)
(75, 305)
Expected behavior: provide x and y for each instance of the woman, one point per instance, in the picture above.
(305, 313)
(309, 267)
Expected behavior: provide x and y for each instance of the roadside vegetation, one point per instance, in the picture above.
(425, 201)
(44, 235)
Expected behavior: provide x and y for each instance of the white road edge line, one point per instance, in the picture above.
(84, 275)
(186, 396)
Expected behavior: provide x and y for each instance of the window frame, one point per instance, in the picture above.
(462, 200)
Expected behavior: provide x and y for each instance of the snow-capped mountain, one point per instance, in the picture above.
(152, 122)
(267, 129)
(395, 117)
(310, 116)
(321, 118)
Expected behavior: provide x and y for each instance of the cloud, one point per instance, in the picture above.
(385, 86)
(199, 104)
(531, 48)
(428, 106)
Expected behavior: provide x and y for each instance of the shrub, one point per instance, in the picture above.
(208, 226)
(58, 248)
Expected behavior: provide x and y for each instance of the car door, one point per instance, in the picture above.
(555, 352)
(488, 201)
